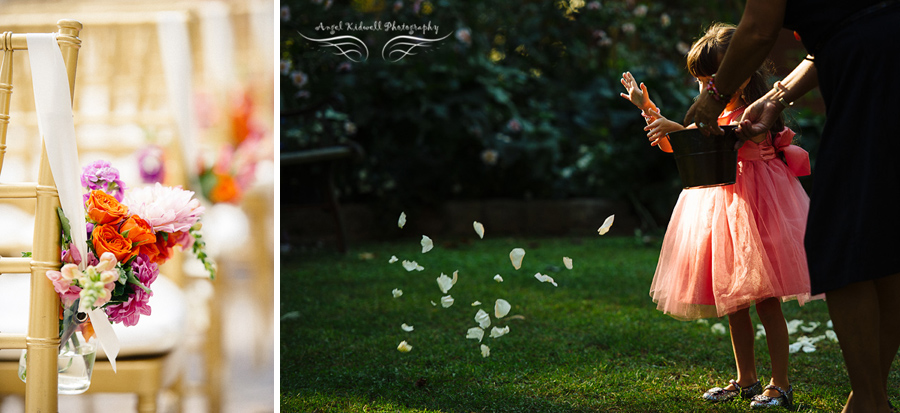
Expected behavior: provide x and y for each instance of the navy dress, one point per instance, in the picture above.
(853, 230)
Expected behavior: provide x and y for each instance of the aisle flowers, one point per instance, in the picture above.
(129, 235)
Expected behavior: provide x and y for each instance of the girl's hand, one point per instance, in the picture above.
(660, 127)
(636, 94)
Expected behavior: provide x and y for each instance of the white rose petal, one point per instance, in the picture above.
(703, 321)
(545, 279)
(427, 244)
(404, 347)
(409, 265)
(793, 325)
(606, 224)
(402, 220)
(483, 319)
(397, 292)
(718, 328)
(516, 256)
(445, 283)
(476, 303)
(485, 351)
(501, 308)
(829, 324)
(760, 331)
(446, 301)
(479, 229)
(419, 267)
(812, 326)
(393, 259)
(498, 278)
(433, 304)
(406, 327)
(831, 335)
(475, 332)
(498, 332)
(568, 262)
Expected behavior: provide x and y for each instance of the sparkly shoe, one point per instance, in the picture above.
(719, 394)
(786, 399)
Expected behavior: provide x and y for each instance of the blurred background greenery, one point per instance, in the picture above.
(520, 101)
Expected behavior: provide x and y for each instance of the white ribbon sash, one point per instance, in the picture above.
(53, 104)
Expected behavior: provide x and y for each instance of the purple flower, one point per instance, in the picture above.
(151, 164)
(101, 175)
(130, 311)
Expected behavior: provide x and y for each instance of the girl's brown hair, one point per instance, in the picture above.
(706, 53)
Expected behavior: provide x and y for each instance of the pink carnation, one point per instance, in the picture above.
(130, 311)
(167, 209)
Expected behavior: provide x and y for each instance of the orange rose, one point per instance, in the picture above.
(107, 238)
(137, 230)
(103, 208)
(225, 190)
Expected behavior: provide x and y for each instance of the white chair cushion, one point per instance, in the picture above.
(157, 333)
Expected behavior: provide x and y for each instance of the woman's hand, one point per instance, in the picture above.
(636, 94)
(705, 113)
(758, 118)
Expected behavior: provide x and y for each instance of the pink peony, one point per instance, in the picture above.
(167, 209)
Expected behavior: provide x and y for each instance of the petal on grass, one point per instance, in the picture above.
(402, 220)
(479, 229)
(810, 327)
(419, 267)
(407, 327)
(446, 301)
(404, 347)
(409, 265)
(433, 304)
(606, 224)
(475, 332)
(393, 259)
(545, 279)
(568, 262)
(501, 308)
(499, 332)
(831, 335)
(485, 351)
(397, 292)
(516, 256)
(483, 319)
(427, 244)
(476, 303)
(793, 326)
(718, 328)
(498, 278)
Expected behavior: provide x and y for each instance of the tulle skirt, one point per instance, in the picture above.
(727, 247)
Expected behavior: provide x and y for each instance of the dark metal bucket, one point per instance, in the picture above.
(705, 161)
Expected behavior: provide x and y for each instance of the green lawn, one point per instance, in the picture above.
(594, 343)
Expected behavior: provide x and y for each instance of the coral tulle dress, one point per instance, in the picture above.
(727, 247)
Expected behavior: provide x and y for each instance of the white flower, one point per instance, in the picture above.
(402, 220)
(404, 347)
(485, 351)
(476, 303)
(393, 259)
(640, 11)
(165, 208)
(498, 278)
(665, 20)
(568, 262)
(427, 244)
(475, 332)
(718, 328)
(628, 28)
(406, 327)
(299, 78)
(545, 279)
(682, 48)
(410, 265)
(397, 292)
(479, 229)
(445, 283)
(516, 256)
(501, 308)
(498, 332)
(606, 224)
(446, 301)
(483, 319)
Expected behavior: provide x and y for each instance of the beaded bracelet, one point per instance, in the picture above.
(711, 89)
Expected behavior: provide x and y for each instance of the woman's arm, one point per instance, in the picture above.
(752, 41)
(760, 115)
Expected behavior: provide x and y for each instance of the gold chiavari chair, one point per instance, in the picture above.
(42, 337)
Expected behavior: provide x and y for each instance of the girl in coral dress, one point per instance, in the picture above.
(729, 247)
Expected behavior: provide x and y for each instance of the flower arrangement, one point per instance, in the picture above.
(129, 236)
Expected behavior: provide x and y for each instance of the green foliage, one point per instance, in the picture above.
(520, 101)
(595, 343)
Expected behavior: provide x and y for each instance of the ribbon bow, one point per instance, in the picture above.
(796, 158)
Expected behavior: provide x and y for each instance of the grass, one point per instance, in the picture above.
(594, 343)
